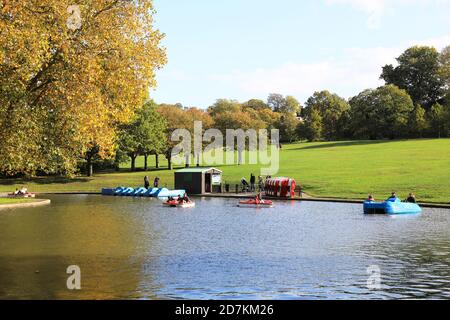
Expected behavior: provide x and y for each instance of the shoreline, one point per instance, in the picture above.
(25, 204)
(306, 198)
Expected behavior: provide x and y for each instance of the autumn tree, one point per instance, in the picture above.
(69, 75)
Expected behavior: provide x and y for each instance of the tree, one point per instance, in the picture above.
(418, 72)
(437, 116)
(69, 77)
(175, 119)
(331, 107)
(144, 135)
(224, 105)
(255, 104)
(288, 127)
(381, 113)
(277, 102)
(311, 128)
(152, 132)
(417, 122)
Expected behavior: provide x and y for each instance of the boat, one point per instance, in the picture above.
(391, 207)
(143, 192)
(177, 204)
(256, 204)
(22, 195)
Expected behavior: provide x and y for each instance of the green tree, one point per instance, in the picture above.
(437, 116)
(381, 113)
(255, 104)
(288, 127)
(419, 73)
(224, 105)
(292, 106)
(311, 129)
(144, 135)
(417, 122)
(331, 107)
(152, 128)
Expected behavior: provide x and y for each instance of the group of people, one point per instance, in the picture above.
(21, 192)
(147, 182)
(411, 197)
(252, 186)
(180, 199)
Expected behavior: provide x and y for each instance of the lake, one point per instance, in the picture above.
(134, 248)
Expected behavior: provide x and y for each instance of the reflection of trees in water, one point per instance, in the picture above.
(104, 239)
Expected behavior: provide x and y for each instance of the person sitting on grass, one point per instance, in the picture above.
(411, 198)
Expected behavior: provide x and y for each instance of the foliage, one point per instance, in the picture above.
(418, 72)
(330, 108)
(381, 113)
(65, 85)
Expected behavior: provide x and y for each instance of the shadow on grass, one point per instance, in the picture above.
(326, 145)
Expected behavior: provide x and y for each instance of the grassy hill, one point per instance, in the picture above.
(330, 169)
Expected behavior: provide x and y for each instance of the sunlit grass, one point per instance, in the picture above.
(333, 169)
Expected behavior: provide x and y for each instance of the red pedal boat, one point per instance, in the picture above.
(256, 203)
(177, 204)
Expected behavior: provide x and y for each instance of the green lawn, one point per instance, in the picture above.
(11, 201)
(334, 169)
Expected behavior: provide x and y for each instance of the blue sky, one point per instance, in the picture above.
(242, 49)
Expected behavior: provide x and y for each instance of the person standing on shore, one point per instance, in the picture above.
(146, 182)
(260, 184)
(252, 183)
(156, 182)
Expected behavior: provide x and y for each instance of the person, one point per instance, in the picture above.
(260, 184)
(259, 198)
(156, 182)
(244, 185)
(370, 198)
(411, 198)
(16, 192)
(146, 182)
(393, 196)
(186, 198)
(252, 182)
(23, 191)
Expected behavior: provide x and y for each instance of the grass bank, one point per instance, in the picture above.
(347, 170)
(13, 201)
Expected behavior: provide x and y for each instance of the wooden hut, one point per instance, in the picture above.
(199, 180)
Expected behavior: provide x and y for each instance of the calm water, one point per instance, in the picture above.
(135, 248)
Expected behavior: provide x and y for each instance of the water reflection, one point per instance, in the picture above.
(136, 248)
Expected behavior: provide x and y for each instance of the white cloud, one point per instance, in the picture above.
(376, 9)
(359, 69)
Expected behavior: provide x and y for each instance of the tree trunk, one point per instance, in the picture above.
(133, 163)
(188, 160)
(169, 163)
(157, 160)
(90, 167)
(145, 162)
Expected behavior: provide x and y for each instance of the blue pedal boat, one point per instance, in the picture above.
(391, 206)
